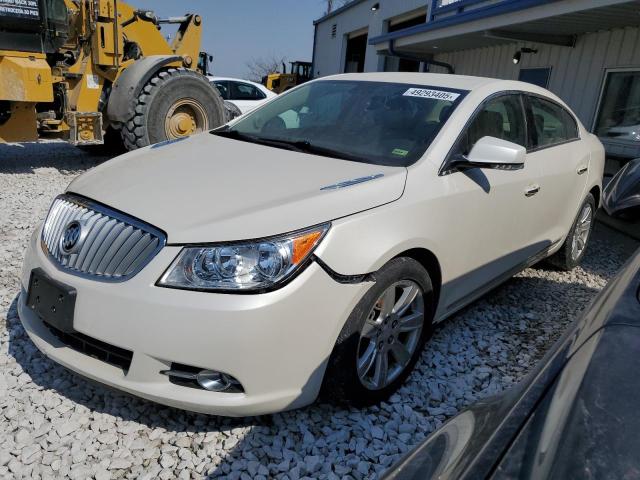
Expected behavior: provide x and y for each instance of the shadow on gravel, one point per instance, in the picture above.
(600, 248)
(47, 374)
(19, 158)
(482, 350)
(519, 321)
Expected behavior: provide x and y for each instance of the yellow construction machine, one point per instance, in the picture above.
(90, 71)
(281, 82)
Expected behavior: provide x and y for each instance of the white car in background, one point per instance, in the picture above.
(241, 271)
(244, 94)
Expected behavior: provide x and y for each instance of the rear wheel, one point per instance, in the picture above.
(175, 103)
(383, 337)
(575, 245)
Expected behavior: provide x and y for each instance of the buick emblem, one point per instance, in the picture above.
(71, 236)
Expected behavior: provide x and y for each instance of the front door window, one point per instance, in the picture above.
(500, 117)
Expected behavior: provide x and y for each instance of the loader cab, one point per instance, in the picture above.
(36, 29)
(204, 63)
(302, 70)
(55, 25)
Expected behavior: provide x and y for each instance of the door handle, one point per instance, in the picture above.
(583, 169)
(531, 190)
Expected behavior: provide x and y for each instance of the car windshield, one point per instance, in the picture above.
(372, 122)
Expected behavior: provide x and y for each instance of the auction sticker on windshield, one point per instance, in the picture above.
(428, 93)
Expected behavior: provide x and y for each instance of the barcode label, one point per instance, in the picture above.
(427, 93)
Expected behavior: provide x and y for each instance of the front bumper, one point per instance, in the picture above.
(275, 344)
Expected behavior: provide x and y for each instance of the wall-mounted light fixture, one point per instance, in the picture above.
(375, 7)
(518, 55)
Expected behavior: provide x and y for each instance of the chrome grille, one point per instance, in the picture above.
(111, 246)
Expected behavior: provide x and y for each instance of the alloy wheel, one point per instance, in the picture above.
(582, 232)
(390, 334)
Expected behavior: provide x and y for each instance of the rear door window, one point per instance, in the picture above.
(552, 124)
(244, 91)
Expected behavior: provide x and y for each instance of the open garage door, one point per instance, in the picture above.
(356, 51)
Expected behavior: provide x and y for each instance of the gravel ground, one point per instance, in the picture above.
(54, 424)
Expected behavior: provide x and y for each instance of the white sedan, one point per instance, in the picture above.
(244, 94)
(246, 270)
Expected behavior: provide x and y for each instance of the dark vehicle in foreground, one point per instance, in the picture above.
(575, 416)
(622, 196)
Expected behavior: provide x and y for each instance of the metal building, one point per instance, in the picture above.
(585, 51)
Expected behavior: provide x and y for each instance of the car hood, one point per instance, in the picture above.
(208, 188)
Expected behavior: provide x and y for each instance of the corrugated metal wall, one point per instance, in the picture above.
(329, 55)
(576, 73)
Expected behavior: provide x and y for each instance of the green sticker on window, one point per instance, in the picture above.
(400, 152)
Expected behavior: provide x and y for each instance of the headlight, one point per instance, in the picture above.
(243, 266)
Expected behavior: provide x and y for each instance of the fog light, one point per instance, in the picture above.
(194, 377)
(213, 381)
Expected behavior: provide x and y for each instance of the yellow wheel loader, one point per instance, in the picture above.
(87, 71)
(281, 82)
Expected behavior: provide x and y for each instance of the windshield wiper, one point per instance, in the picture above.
(302, 146)
(295, 145)
(272, 142)
(306, 146)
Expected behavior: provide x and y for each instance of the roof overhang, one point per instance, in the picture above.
(338, 11)
(534, 21)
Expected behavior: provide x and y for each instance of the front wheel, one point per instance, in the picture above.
(383, 337)
(174, 103)
(575, 245)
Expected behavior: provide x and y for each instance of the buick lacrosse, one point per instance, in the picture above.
(309, 246)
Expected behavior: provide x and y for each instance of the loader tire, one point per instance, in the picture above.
(174, 103)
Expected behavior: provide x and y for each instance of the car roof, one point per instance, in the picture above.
(213, 79)
(460, 82)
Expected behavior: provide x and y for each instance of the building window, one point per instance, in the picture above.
(619, 114)
(334, 30)
(537, 76)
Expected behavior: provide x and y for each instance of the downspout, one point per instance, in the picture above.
(313, 54)
(417, 58)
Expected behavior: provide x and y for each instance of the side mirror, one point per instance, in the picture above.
(491, 152)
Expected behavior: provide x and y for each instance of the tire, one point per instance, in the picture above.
(342, 381)
(166, 91)
(569, 256)
(231, 111)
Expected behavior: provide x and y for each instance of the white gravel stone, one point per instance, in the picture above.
(102, 474)
(119, 464)
(107, 438)
(167, 461)
(54, 424)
